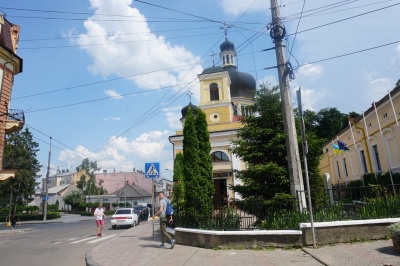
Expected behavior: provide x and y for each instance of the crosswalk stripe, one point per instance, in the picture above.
(101, 238)
(85, 239)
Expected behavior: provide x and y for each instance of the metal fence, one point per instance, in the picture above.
(354, 203)
(241, 215)
(336, 204)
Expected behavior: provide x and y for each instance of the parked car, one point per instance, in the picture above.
(142, 212)
(124, 217)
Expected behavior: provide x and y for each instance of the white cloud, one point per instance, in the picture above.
(112, 119)
(173, 116)
(398, 49)
(379, 87)
(122, 154)
(131, 49)
(269, 80)
(310, 98)
(113, 94)
(310, 70)
(238, 7)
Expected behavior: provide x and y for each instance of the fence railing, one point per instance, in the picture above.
(336, 204)
(239, 215)
(355, 203)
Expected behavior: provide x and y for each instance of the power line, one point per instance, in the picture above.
(348, 18)
(297, 28)
(347, 54)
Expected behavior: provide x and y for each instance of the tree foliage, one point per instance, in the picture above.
(327, 123)
(74, 199)
(205, 163)
(20, 155)
(261, 143)
(87, 183)
(191, 171)
(178, 188)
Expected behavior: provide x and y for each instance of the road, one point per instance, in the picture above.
(61, 244)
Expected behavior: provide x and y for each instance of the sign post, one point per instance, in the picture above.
(152, 170)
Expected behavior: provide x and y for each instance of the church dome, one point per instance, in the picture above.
(227, 46)
(242, 84)
(186, 108)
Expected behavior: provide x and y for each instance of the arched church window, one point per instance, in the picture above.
(219, 156)
(227, 59)
(214, 92)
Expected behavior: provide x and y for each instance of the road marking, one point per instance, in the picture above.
(101, 238)
(85, 239)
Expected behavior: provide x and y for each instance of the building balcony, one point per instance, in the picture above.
(15, 121)
(6, 174)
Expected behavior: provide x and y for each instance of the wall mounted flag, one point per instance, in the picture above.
(342, 146)
(336, 149)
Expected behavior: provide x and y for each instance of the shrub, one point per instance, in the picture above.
(394, 230)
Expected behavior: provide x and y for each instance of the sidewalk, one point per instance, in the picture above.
(137, 246)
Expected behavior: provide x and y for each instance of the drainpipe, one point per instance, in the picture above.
(365, 144)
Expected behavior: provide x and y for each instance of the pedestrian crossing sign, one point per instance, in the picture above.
(152, 170)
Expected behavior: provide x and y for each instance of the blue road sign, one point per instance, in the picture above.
(46, 198)
(152, 170)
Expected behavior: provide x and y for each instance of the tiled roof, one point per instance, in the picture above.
(132, 192)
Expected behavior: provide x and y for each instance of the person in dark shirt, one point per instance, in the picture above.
(14, 220)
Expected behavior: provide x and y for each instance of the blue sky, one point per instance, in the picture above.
(107, 79)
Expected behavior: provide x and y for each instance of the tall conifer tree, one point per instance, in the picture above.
(205, 163)
(191, 171)
(178, 189)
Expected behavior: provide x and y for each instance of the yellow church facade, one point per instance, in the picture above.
(373, 142)
(224, 95)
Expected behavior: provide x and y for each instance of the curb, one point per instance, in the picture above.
(88, 259)
(15, 231)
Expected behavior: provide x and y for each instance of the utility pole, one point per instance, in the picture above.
(284, 70)
(46, 187)
(125, 191)
(305, 152)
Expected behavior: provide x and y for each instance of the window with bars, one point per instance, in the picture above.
(214, 92)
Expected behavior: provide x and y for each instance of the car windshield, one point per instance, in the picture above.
(123, 212)
(138, 208)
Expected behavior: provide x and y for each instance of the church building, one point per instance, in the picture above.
(224, 94)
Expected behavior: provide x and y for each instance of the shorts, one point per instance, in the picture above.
(99, 222)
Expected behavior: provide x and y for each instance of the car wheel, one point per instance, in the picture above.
(114, 226)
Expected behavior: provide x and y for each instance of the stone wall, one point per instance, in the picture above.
(325, 233)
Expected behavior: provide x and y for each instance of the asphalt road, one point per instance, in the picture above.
(61, 244)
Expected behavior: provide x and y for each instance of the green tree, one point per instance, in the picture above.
(178, 187)
(191, 171)
(205, 164)
(74, 199)
(87, 183)
(20, 154)
(398, 83)
(261, 143)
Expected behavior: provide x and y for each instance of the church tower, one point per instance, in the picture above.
(224, 94)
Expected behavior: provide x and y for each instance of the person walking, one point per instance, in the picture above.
(99, 214)
(165, 236)
(14, 220)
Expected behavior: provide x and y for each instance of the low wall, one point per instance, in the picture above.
(237, 239)
(346, 231)
(325, 233)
